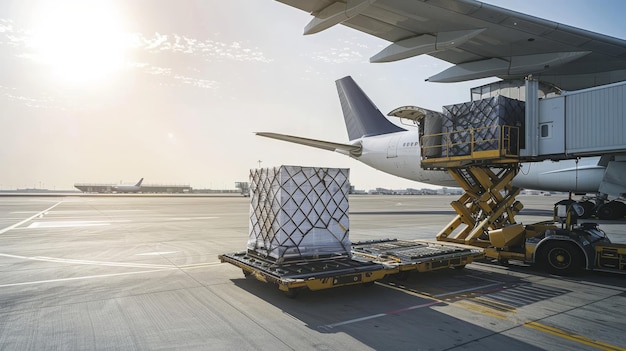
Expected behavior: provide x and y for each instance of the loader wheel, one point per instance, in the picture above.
(588, 207)
(612, 210)
(402, 276)
(292, 293)
(561, 258)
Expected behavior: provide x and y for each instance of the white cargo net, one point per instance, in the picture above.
(299, 212)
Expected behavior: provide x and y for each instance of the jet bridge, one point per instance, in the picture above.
(566, 124)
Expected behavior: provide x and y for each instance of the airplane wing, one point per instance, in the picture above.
(347, 149)
(481, 40)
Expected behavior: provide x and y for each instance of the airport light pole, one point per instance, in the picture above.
(259, 161)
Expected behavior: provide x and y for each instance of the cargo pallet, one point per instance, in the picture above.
(370, 261)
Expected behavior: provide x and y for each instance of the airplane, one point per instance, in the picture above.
(481, 41)
(128, 188)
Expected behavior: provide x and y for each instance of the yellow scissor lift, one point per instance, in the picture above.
(486, 211)
(484, 170)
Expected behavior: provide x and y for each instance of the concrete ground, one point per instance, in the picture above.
(137, 272)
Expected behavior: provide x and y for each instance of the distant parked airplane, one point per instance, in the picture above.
(128, 188)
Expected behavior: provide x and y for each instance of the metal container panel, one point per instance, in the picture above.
(596, 120)
(551, 126)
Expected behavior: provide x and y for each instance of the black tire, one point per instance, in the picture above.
(402, 276)
(566, 202)
(561, 258)
(292, 293)
(588, 206)
(621, 209)
(610, 210)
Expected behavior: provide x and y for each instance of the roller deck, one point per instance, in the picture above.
(370, 261)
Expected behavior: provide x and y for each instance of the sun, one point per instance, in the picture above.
(81, 41)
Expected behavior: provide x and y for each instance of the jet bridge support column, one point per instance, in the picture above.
(488, 203)
(531, 111)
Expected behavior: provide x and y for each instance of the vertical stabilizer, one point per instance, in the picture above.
(139, 182)
(362, 117)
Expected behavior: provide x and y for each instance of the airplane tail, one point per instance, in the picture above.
(139, 182)
(362, 117)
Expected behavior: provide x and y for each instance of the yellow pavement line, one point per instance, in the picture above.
(409, 291)
(573, 337)
(474, 307)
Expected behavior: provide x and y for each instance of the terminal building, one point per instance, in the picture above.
(145, 188)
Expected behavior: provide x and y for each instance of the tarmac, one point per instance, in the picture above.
(141, 273)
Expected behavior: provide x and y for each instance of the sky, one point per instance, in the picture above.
(112, 91)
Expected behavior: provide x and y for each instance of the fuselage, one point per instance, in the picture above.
(399, 154)
(127, 188)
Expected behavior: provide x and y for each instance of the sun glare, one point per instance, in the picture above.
(82, 41)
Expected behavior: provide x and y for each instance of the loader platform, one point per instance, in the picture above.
(370, 261)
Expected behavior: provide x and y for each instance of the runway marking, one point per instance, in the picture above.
(573, 337)
(475, 307)
(189, 218)
(112, 264)
(85, 277)
(156, 253)
(200, 265)
(435, 301)
(467, 290)
(87, 262)
(374, 316)
(30, 218)
(67, 224)
(488, 311)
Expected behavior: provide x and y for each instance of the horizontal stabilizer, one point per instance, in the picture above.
(347, 149)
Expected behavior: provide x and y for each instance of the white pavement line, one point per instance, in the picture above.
(29, 218)
(188, 218)
(67, 224)
(378, 315)
(81, 278)
(200, 265)
(87, 262)
(157, 253)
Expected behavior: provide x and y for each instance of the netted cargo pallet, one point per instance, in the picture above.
(478, 125)
(299, 212)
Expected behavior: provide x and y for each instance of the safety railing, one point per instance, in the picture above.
(472, 144)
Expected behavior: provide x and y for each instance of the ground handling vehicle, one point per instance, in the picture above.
(562, 247)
